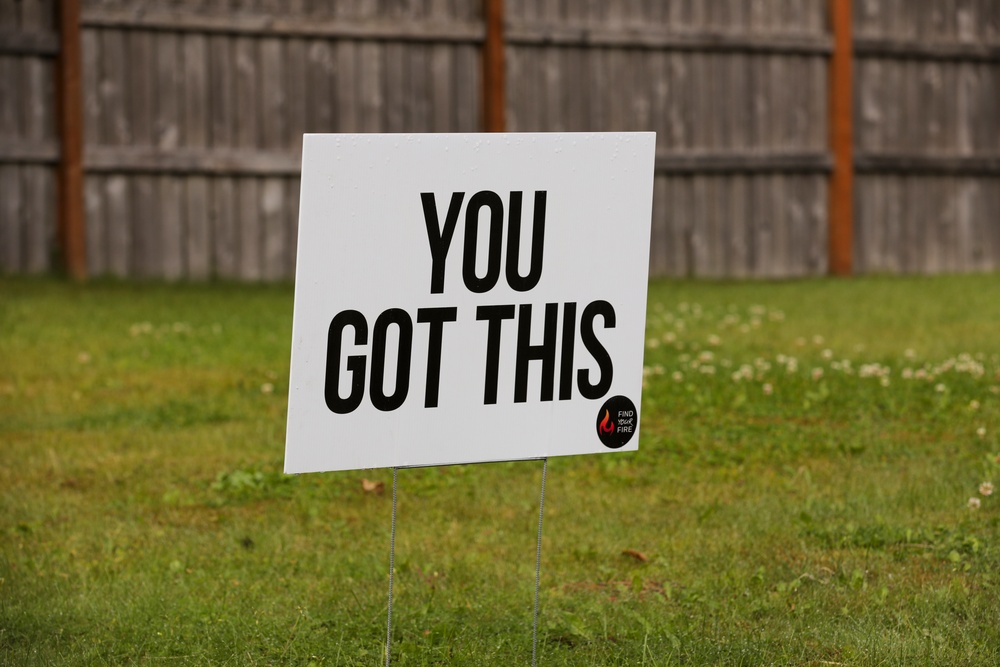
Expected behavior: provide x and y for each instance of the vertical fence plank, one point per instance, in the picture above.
(295, 89)
(145, 200)
(658, 235)
(11, 215)
(39, 187)
(737, 240)
(224, 227)
(272, 211)
(274, 121)
(167, 135)
(249, 224)
(221, 91)
(11, 206)
(347, 88)
(96, 217)
(198, 238)
(394, 84)
(246, 54)
(441, 88)
(370, 79)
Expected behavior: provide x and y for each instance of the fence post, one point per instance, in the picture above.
(494, 100)
(71, 222)
(841, 191)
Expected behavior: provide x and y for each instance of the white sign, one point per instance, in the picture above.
(468, 297)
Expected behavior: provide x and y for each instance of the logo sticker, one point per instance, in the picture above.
(617, 421)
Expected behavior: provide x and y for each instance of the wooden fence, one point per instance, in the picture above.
(193, 111)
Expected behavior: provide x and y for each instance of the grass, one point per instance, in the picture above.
(801, 495)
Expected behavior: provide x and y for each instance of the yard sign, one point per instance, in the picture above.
(466, 297)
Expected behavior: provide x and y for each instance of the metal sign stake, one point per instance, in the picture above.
(538, 567)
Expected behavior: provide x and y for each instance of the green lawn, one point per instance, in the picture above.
(811, 455)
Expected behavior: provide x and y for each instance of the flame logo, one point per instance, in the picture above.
(607, 426)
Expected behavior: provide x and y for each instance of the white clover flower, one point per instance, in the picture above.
(83, 358)
(817, 373)
(267, 388)
(981, 431)
(818, 340)
(707, 370)
(714, 340)
(907, 373)
(768, 389)
(974, 503)
(986, 489)
(827, 354)
(652, 343)
(909, 353)
(669, 337)
(677, 376)
(800, 342)
(940, 388)
(973, 404)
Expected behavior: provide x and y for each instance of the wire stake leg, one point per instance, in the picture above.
(392, 563)
(538, 565)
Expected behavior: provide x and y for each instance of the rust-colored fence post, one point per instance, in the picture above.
(494, 100)
(71, 223)
(841, 194)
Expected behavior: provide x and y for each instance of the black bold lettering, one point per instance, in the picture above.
(401, 319)
(516, 281)
(492, 201)
(495, 315)
(440, 237)
(355, 363)
(436, 317)
(568, 344)
(597, 389)
(545, 352)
